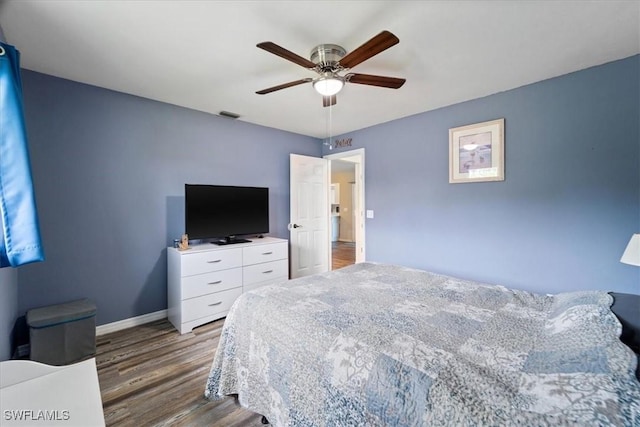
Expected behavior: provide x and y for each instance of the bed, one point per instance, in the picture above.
(385, 345)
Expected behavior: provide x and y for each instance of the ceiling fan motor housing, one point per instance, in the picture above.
(326, 56)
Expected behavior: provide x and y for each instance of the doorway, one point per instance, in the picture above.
(346, 172)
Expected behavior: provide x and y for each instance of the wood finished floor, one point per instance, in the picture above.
(342, 254)
(150, 375)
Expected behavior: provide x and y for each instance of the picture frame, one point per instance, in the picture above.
(476, 152)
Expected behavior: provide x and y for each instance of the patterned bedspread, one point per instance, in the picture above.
(383, 345)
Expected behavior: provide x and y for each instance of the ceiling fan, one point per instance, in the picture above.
(329, 60)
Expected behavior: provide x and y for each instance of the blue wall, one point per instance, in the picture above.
(109, 173)
(566, 210)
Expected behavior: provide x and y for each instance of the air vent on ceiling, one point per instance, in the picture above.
(229, 114)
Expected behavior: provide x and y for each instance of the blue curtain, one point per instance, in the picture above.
(20, 240)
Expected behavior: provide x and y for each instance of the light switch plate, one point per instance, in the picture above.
(369, 213)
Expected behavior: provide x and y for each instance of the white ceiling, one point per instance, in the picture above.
(202, 54)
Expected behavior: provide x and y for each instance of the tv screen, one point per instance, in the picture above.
(223, 212)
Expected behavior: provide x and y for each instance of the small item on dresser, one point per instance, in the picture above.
(184, 243)
(176, 243)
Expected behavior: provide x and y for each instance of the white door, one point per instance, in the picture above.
(309, 219)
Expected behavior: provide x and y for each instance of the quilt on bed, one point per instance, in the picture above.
(384, 345)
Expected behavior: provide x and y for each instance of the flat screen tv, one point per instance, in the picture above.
(223, 213)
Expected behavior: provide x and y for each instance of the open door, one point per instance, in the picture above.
(309, 219)
(357, 157)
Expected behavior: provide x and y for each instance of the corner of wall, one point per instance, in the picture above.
(8, 309)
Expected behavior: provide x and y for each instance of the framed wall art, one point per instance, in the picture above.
(476, 152)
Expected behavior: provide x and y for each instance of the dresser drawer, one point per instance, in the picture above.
(257, 273)
(208, 283)
(204, 262)
(265, 253)
(210, 304)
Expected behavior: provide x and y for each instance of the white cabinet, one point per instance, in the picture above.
(204, 281)
(335, 227)
(335, 194)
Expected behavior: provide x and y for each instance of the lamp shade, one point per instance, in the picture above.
(328, 86)
(631, 255)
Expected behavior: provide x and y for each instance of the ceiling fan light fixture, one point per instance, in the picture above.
(328, 86)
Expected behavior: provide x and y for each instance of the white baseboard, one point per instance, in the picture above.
(130, 322)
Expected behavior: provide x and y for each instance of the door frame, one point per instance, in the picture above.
(357, 157)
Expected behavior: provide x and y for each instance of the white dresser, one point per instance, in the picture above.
(205, 280)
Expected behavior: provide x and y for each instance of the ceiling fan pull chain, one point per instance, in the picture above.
(330, 127)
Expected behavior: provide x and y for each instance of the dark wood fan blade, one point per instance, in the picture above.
(379, 43)
(286, 54)
(368, 79)
(329, 100)
(283, 86)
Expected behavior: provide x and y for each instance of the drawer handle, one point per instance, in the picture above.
(217, 282)
(267, 272)
(214, 261)
(215, 303)
(267, 253)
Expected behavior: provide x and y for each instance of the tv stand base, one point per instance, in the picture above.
(228, 241)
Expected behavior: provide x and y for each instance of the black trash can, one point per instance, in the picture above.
(64, 333)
